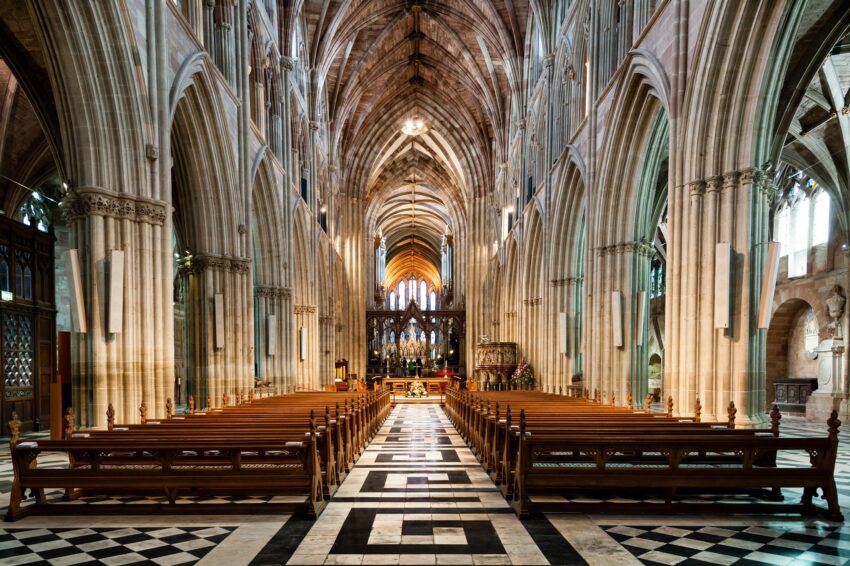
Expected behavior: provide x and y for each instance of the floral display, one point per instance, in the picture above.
(416, 389)
(523, 376)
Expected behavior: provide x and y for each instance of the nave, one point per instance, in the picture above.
(417, 495)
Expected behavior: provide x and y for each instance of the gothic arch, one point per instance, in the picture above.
(305, 299)
(203, 168)
(510, 279)
(533, 289)
(566, 258)
(642, 95)
(273, 300)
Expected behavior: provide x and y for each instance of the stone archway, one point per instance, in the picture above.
(792, 342)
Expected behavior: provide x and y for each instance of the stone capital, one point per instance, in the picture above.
(748, 175)
(714, 184)
(200, 263)
(730, 179)
(696, 188)
(287, 64)
(272, 292)
(95, 201)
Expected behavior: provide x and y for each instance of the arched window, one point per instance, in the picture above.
(820, 223)
(402, 303)
(423, 294)
(34, 212)
(23, 274)
(801, 222)
(392, 301)
(433, 301)
(412, 289)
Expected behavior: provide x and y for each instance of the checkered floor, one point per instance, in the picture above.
(418, 496)
(734, 544)
(151, 545)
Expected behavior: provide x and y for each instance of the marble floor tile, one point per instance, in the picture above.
(418, 495)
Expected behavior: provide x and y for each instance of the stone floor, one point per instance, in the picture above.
(419, 496)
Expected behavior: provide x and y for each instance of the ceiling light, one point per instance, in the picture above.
(414, 126)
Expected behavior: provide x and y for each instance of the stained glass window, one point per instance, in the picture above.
(35, 211)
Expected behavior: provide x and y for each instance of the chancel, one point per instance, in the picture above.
(424, 281)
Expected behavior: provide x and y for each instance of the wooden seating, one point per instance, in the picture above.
(559, 445)
(274, 446)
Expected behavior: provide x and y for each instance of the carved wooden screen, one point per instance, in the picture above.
(27, 324)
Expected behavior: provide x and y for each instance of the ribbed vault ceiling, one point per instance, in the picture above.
(451, 63)
(819, 136)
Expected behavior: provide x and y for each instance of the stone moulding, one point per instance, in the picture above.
(269, 291)
(88, 201)
(203, 262)
(640, 247)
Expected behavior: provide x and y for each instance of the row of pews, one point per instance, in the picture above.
(291, 451)
(552, 453)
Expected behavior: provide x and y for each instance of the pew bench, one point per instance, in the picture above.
(718, 464)
(169, 467)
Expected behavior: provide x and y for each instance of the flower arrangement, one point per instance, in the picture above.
(523, 376)
(416, 389)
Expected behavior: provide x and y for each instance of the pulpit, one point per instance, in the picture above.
(341, 375)
(494, 364)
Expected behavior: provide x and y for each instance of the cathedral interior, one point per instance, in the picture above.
(346, 236)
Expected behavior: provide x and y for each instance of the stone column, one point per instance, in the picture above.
(208, 23)
(120, 368)
(271, 302)
(480, 311)
(225, 43)
(707, 363)
(229, 369)
(194, 11)
(355, 246)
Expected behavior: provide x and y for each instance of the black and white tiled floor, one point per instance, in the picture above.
(418, 496)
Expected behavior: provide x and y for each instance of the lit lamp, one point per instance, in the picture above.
(414, 126)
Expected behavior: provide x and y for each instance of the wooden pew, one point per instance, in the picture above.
(272, 444)
(167, 467)
(550, 464)
(582, 436)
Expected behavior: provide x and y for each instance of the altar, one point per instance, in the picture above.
(433, 385)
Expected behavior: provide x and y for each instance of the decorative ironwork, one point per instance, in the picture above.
(17, 351)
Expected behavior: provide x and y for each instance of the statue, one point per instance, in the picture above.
(836, 303)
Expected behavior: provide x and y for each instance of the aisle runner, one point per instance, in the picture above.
(419, 496)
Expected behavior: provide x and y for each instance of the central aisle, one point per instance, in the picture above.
(418, 496)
